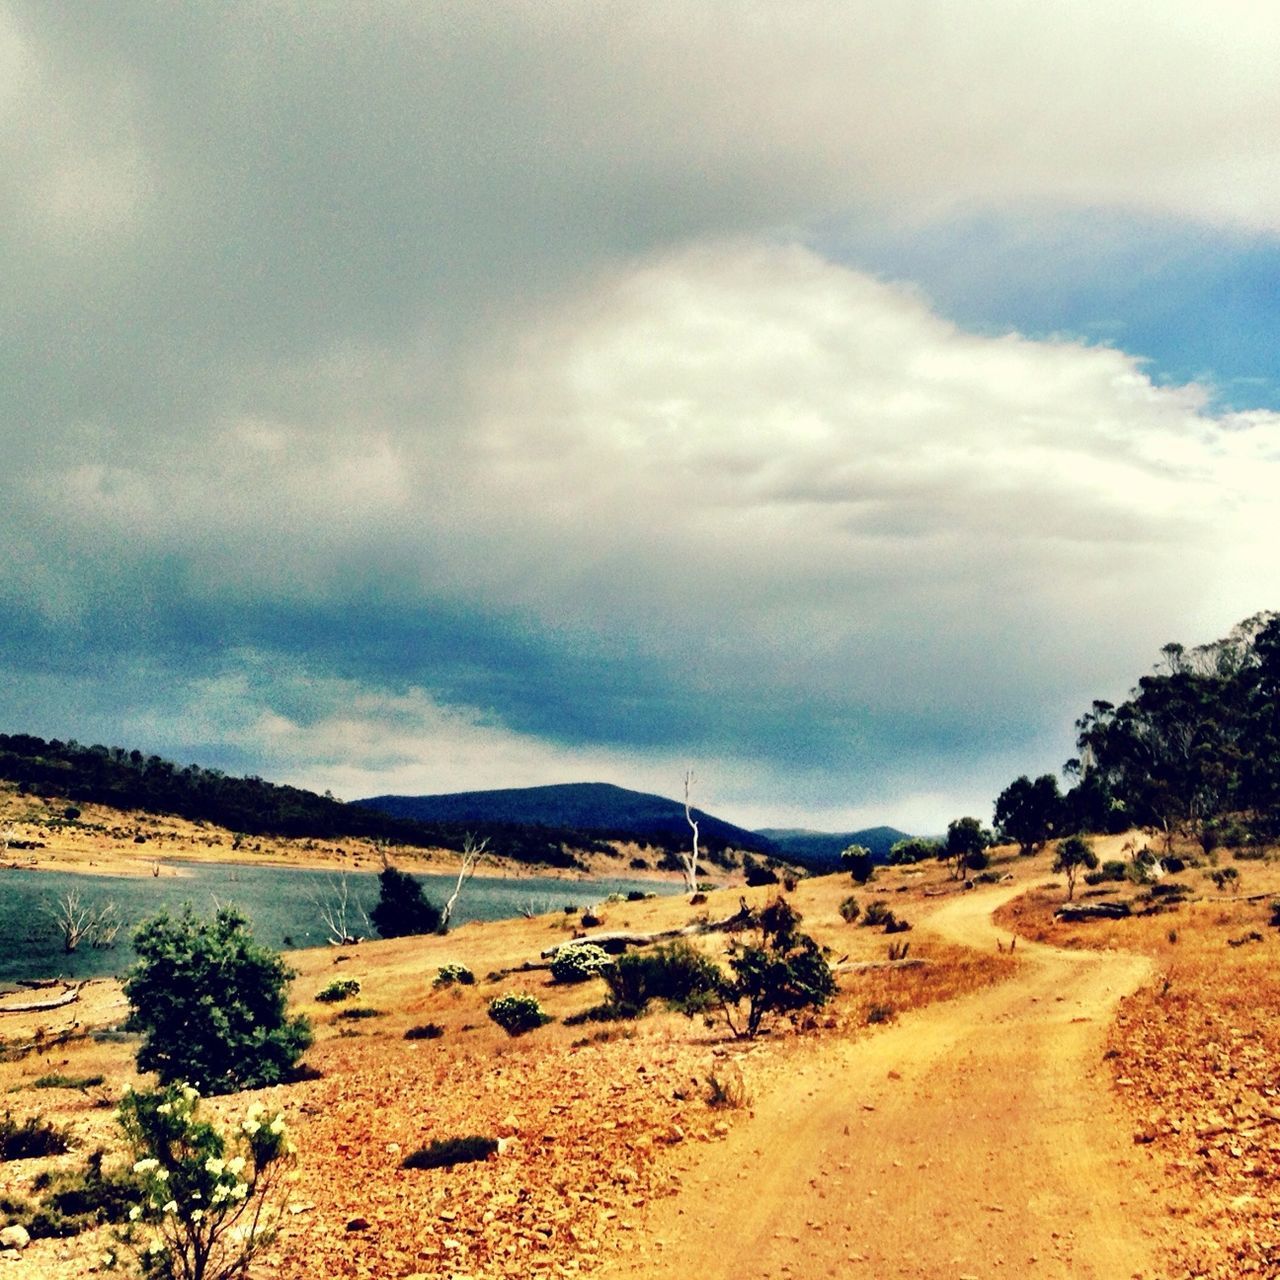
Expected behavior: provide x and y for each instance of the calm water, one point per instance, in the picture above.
(280, 901)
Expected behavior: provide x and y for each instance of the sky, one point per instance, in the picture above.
(831, 398)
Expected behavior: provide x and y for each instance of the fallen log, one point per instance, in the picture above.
(865, 966)
(617, 941)
(1081, 911)
(69, 996)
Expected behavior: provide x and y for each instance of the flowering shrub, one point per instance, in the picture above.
(207, 1201)
(448, 974)
(579, 961)
(516, 1012)
(338, 989)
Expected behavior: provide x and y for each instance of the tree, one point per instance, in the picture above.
(338, 912)
(967, 842)
(859, 862)
(472, 852)
(1073, 853)
(689, 860)
(1028, 813)
(210, 1002)
(402, 908)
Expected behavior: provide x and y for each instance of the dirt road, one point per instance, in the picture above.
(973, 1139)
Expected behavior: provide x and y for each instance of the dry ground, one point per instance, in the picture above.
(1195, 1055)
(971, 1131)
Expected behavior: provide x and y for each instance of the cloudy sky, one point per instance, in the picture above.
(834, 397)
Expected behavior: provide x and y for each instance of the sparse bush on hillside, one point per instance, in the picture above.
(517, 1012)
(579, 962)
(427, 1031)
(850, 910)
(29, 1138)
(447, 975)
(210, 1003)
(339, 989)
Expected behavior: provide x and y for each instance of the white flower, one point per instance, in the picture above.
(162, 1174)
(190, 1092)
(256, 1109)
(236, 1165)
(146, 1166)
(170, 1206)
(214, 1166)
(135, 1213)
(196, 1215)
(277, 1126)
(240, 1190)
(251, 1127)
(220, 1193)
(165, 1109)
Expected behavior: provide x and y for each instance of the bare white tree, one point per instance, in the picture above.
(340, 914)
(77, 921)
(689, 860)
(472, 851)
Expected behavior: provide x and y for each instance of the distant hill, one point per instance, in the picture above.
(821, 850)
(596, 808)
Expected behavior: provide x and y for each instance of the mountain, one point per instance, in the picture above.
(597, 808)
(822, 849)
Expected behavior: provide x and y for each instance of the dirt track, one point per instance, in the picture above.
(976, 1138)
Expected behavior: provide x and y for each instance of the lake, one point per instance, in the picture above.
(281, 902)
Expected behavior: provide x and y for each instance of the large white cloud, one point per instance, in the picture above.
(497, 309)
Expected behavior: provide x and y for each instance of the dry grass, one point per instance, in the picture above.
(1195, 1057)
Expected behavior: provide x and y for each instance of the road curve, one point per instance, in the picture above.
(974, 1138)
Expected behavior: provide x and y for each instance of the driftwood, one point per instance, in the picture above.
(616, 941)
(865, 966)
(15, 1051)
(39, 1006)
(1075, 911)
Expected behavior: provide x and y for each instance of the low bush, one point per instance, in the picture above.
(880, 1013)
(448, 975)
(29, 1138)
(579, 962)
(338, 989)
(361, 1013)
(427, 1031)
(850, 910)
(517, 1012)
(677, 973)
(726, 1088)
(446, 1152)
(57, 1081)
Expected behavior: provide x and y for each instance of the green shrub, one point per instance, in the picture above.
(850, 909)
(338, 989)
(361, 1013)
(210, 1003)
(783, 972)
(877, 915)
(447, 975)
(402, 910)
(29, 1138)
(677, 973)
(517, 1012)
(580, 961)
(446, 1152)
(427, 1031)
(880, 1013)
